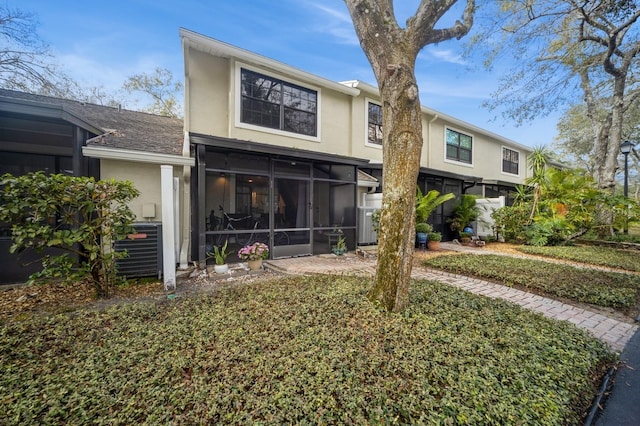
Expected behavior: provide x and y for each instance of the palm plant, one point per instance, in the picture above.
(538, 165)
(427, 203)
(464, 213)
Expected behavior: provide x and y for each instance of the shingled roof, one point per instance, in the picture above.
(121, 128)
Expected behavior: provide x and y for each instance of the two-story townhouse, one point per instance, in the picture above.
(457, 156)
(283, 156)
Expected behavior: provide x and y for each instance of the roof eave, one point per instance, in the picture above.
(218, 48)
(41, 109)
(106, 153)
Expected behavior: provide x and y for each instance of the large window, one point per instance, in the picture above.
(276, 104)
(374, 124)
(510, 161)
(459, 146)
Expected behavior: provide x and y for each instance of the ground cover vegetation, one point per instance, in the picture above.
(602, 288)
(300, 350)
(602, 256)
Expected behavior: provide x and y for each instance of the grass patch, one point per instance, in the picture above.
(300, 350)
(601, 256)
(608, 289)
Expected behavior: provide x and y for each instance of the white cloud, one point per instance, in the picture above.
(337, 23)
(443, 55)
(475, 89)
(340, 15)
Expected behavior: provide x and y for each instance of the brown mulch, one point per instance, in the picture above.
(19, 301)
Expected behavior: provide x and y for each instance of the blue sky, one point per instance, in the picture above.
(101, 43)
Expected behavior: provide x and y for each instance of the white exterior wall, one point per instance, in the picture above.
(486, 154)
(487, 151)
(213, 109)
(146, 179)
(213, 103)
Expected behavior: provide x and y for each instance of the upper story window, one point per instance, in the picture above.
(374, 124)
(510, 161)
(459, 146)
(276, 104)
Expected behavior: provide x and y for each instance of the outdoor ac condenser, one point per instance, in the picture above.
(366, 234)
(144, 249)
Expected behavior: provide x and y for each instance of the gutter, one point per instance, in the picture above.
(136, 156)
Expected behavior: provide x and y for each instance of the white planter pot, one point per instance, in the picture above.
(221, 269)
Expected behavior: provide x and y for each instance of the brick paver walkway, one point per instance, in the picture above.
(612, 331)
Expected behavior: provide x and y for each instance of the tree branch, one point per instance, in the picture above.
(420, 27)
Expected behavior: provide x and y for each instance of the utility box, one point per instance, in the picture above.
(366, 234)
(144, 249)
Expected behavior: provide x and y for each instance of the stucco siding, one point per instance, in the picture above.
(146, 179)
(209, 87)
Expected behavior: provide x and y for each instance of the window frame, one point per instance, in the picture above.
(502, 161)
(284, 80)
(457, 161)
(366, 123)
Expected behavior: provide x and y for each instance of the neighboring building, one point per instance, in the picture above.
(69, 137)
(286, 156)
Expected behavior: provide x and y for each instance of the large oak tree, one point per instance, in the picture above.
(571, 51)
(392, 51)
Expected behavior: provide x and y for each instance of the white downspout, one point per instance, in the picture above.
(186, 207)
(168, 235)
(186, 172)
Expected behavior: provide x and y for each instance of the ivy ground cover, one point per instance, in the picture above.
(601, 288)
(628, 260)
(306, 350)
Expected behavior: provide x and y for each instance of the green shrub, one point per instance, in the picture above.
(510, 222)
(609, 289)
(548, 231)
(78, 215)
(306, 350)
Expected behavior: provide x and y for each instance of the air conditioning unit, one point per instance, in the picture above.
(144, 249)
(366, 234)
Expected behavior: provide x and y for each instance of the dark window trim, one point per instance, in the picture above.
(457, 146)
(510, 164)
(374, 124)
(279, 103)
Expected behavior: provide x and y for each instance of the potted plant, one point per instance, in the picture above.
(465, 238)
(220, 255)
(253, 254)
(464, 214)
(341, 247)
(422, 232)
(427, 203)
(434, 241)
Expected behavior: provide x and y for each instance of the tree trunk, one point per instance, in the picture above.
(402, 135)
(392, 52)
(607, 150)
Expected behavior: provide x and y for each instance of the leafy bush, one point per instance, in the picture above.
(603, 256)
(510, 222)
(551, 231)
(78, 215)
(609, 289)
(301, 350)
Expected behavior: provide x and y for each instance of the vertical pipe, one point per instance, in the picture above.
(168, 235)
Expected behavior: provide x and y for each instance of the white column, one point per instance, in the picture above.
(168, 235)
